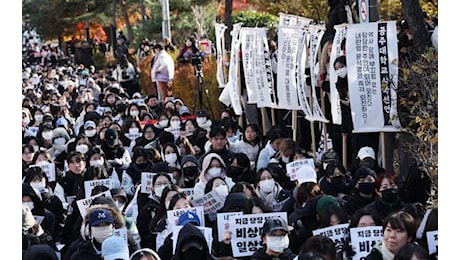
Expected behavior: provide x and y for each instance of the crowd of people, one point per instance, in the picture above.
(83, 127)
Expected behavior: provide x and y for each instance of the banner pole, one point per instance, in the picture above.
(344, 150)
(264, 119)
(383, 152)
(294, 125)
(313, 136)
(323, 108)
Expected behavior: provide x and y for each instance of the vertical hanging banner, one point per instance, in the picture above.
(231, 89)
(372, 68)
(288, 44)
(293, 20)
(220, 32)
(247, 36)
(316, 34)
(340, 33)
(254, 51)
(302, 89)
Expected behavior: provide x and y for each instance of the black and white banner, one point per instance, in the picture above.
(288, 44)
(220, 32)
(231, 92)
(340, 33)
(255, 58)
(303, 89)
(372, 68)
(316, 34)
(293, 20)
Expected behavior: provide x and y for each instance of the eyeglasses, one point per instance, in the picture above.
(161, 183)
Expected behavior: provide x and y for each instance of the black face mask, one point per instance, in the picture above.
(390, 195)
(190, 171)
(235, 171)
(366, 187)
(337, 180)
(142, 165)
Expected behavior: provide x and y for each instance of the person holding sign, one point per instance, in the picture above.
(399, 229)
(213, 166)
(275, 238)
(268, 189)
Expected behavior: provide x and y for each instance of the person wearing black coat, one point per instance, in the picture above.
(337, 15)
(275, 240)
(191, 244)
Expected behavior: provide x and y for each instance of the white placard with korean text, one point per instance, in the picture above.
(89, 185)
(173, 215)
(146, 182)
(338, 234)
(247, 232)
(363, 240)
(211, 202)
(223, 222)
(48, 168)
(84, 204)
(292, 167)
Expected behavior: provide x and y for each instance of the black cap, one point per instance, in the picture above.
(274, 224)
(362, 172)
(110, 136)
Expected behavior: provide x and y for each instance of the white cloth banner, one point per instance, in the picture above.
(336, 111)
(293, 20)
(248, 38)
(316, 33)
(231, 88)
(220, 32)
(372, 68)
(302, 87)
(288, 44)
(264, 72)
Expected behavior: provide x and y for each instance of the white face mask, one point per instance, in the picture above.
(39, 118)
(134, 113)
(29, 204)
(163, 123)
(201, 120)
(342, 72)
(100, 233)
(47, 135)
(285, 159)
(36, 148)
(171, 158)
(222, 190)
(214, 172)
(175, 124)
(159, 190)
(267, 185)
(277, 243)
(99, 162)
(82, 148)
(38, 185)
(90, 133)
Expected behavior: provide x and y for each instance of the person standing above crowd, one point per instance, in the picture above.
(162, 73)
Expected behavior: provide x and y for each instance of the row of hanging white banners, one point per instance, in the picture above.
(372, 69)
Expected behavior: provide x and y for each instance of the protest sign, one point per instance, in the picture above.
(363, 239)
